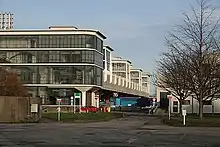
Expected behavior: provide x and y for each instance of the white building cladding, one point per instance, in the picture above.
(107, 63)
(54, 58)
(116, 75)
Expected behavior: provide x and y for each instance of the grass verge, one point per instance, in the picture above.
(83, 117)
(193, 121)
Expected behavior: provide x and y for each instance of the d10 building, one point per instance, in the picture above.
(58, 61)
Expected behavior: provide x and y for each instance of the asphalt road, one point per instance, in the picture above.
(129, 131)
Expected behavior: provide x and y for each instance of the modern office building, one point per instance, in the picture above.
(6, 20)
(62, 61)
(55, 62)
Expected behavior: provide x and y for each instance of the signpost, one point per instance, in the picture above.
(154, 102)
(58, 109)
(115, 94)
(77, 96)
(34, 108)
(72, 103)
(96, 99)
(184, 117)
(169, 107)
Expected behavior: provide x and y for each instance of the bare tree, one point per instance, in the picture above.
(194, 43)
(10, 84)
(172, 76)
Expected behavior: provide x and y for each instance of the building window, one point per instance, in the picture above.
(52, 41)
(103, 51)
(119, 66)
(90, 75)
(108, 56)
(186, 102)
(134, 74)
(207, 102)
(74, 56)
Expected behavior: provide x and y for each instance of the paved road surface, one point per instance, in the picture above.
(126, 132)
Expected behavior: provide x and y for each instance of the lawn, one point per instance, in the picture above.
(83, 117)
(194, 121)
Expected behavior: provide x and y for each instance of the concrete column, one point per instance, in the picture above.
(93, 99)
(105, 59)
(83, 98)
(97, 102)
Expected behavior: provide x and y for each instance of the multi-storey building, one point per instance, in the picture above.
(6, 20)
(64, 61)
(55, 61)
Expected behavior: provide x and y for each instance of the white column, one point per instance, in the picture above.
(93, 101)
(110, 67)
(126, 75)
(105, 59)
(97, 102)
(83, 98)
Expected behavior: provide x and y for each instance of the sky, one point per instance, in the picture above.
(135, 29)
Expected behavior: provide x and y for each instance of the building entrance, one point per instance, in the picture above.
(64, 94)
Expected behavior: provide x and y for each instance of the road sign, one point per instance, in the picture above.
(96, 96)
(184, 117)
(169, 96)
(184, 112)
(115, 94)
(71, 100)
(77, 95)
(59, 100)
(34, 108)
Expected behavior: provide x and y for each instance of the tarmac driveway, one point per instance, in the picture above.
(125, 132)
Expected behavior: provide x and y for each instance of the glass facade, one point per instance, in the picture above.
(58, 56)
(62, 74)
(108, 60)
(75, 59)
(134, 74)
(51, 41)
(71, 49)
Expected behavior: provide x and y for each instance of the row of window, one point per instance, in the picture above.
(52, 41)
(108, 65)
(59, 74)
(107, 56)
(85, 56)
(122, 74)
(119, 66)
(135, 74)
